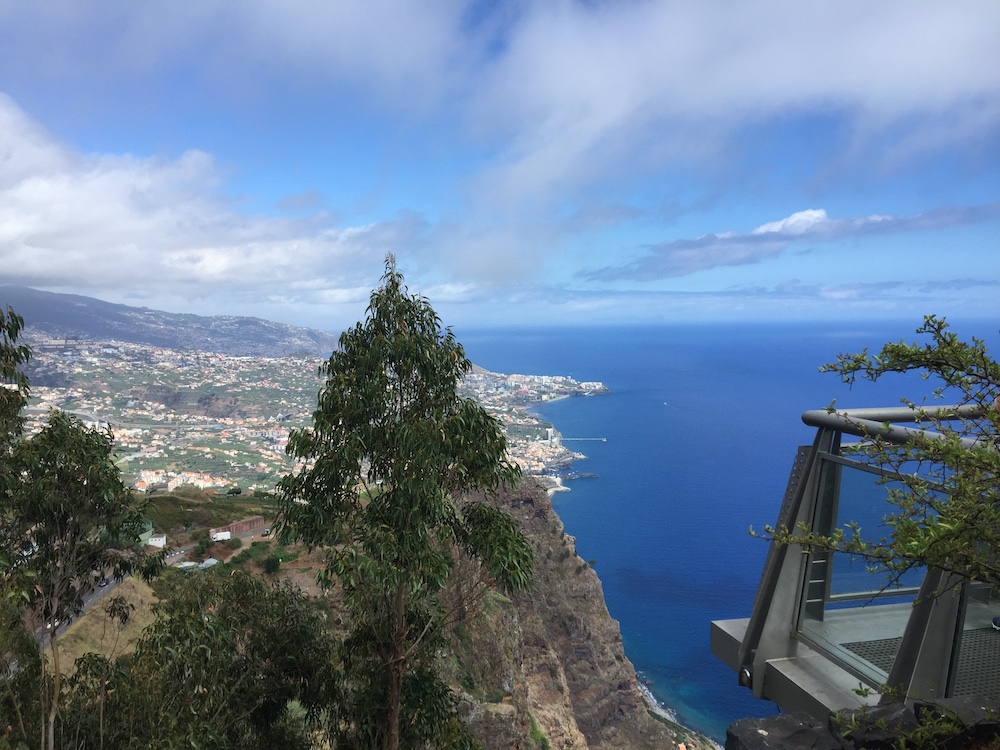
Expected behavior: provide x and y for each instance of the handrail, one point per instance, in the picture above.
(869, 422)
(877, 594)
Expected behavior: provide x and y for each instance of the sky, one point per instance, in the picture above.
(550, 162)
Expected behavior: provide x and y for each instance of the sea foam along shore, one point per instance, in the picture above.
(654, 705)
(556, 486)
(663, 712)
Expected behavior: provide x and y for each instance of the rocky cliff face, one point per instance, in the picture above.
(551, 660)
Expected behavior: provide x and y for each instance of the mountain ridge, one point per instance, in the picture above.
(59, 315)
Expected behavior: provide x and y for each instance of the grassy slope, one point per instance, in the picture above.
(96, 633)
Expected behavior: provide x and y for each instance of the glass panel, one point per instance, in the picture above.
(864, 500)
(977, 668)
(853, 613)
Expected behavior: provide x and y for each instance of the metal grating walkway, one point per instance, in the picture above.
(978, 660)
(979, 664)
(881, 653)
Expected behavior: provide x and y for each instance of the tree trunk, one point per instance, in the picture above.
(43, 692)
(397, 666)
(56, 684)
(395, 698)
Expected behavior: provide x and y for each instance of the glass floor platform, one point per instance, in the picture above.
(866, 639)
(824, 620)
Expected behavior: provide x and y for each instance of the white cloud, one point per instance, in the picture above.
(562, 93)
(402, 54)
(564, 108)
(688, 256)
(113, 222)
(800, 222)
(582, 84)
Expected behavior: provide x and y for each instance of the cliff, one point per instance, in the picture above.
(548, 665)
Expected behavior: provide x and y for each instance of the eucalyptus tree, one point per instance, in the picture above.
(66, 519)
(13, 381)
(70, 521)
(945, 508)
(380, 484)
(14, 391)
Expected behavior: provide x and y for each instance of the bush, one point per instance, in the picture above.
(234, 543)
(271, 564)
(190, 492)
(536, 737)
(240, 558)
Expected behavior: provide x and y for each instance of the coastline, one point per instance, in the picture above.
(556, 486)
(668, 714)
(654, 705)
(554, 480)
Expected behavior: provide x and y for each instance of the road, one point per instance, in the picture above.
(174, 556)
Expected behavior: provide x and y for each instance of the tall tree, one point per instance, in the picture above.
(382, 469)
(69, 521)
(13, 382)
(946, 510)
(14, 390)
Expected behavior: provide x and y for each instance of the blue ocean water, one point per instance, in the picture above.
(702, 425)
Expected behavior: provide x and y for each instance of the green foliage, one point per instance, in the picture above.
(191, 492)
(268, 556)
(170, 583)
(537, 739)
(20, 677)
(234, 543)
(229, 662)
(14, 387)
(67, 518)
(392, 444)
(946, 513)
(69, 514)
(191, 508)
(932, 730)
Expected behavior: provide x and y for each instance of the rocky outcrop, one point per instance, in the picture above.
(558, 663)
(966, 723)
(782, 732)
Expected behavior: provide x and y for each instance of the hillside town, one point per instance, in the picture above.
(221, 422)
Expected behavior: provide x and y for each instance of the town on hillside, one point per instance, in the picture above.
(221, 422)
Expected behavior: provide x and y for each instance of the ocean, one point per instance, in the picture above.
(697, 440)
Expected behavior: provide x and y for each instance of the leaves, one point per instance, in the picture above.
(390, 447)
(66, 518)
(222, 665)
(945, 499)
(14, 386)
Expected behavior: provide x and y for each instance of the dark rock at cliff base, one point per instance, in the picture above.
(785, 732)
(967, 723)
(968, 711)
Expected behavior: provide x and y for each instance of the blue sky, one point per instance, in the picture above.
(527, 162)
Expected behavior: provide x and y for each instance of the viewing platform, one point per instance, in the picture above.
(825, 632)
